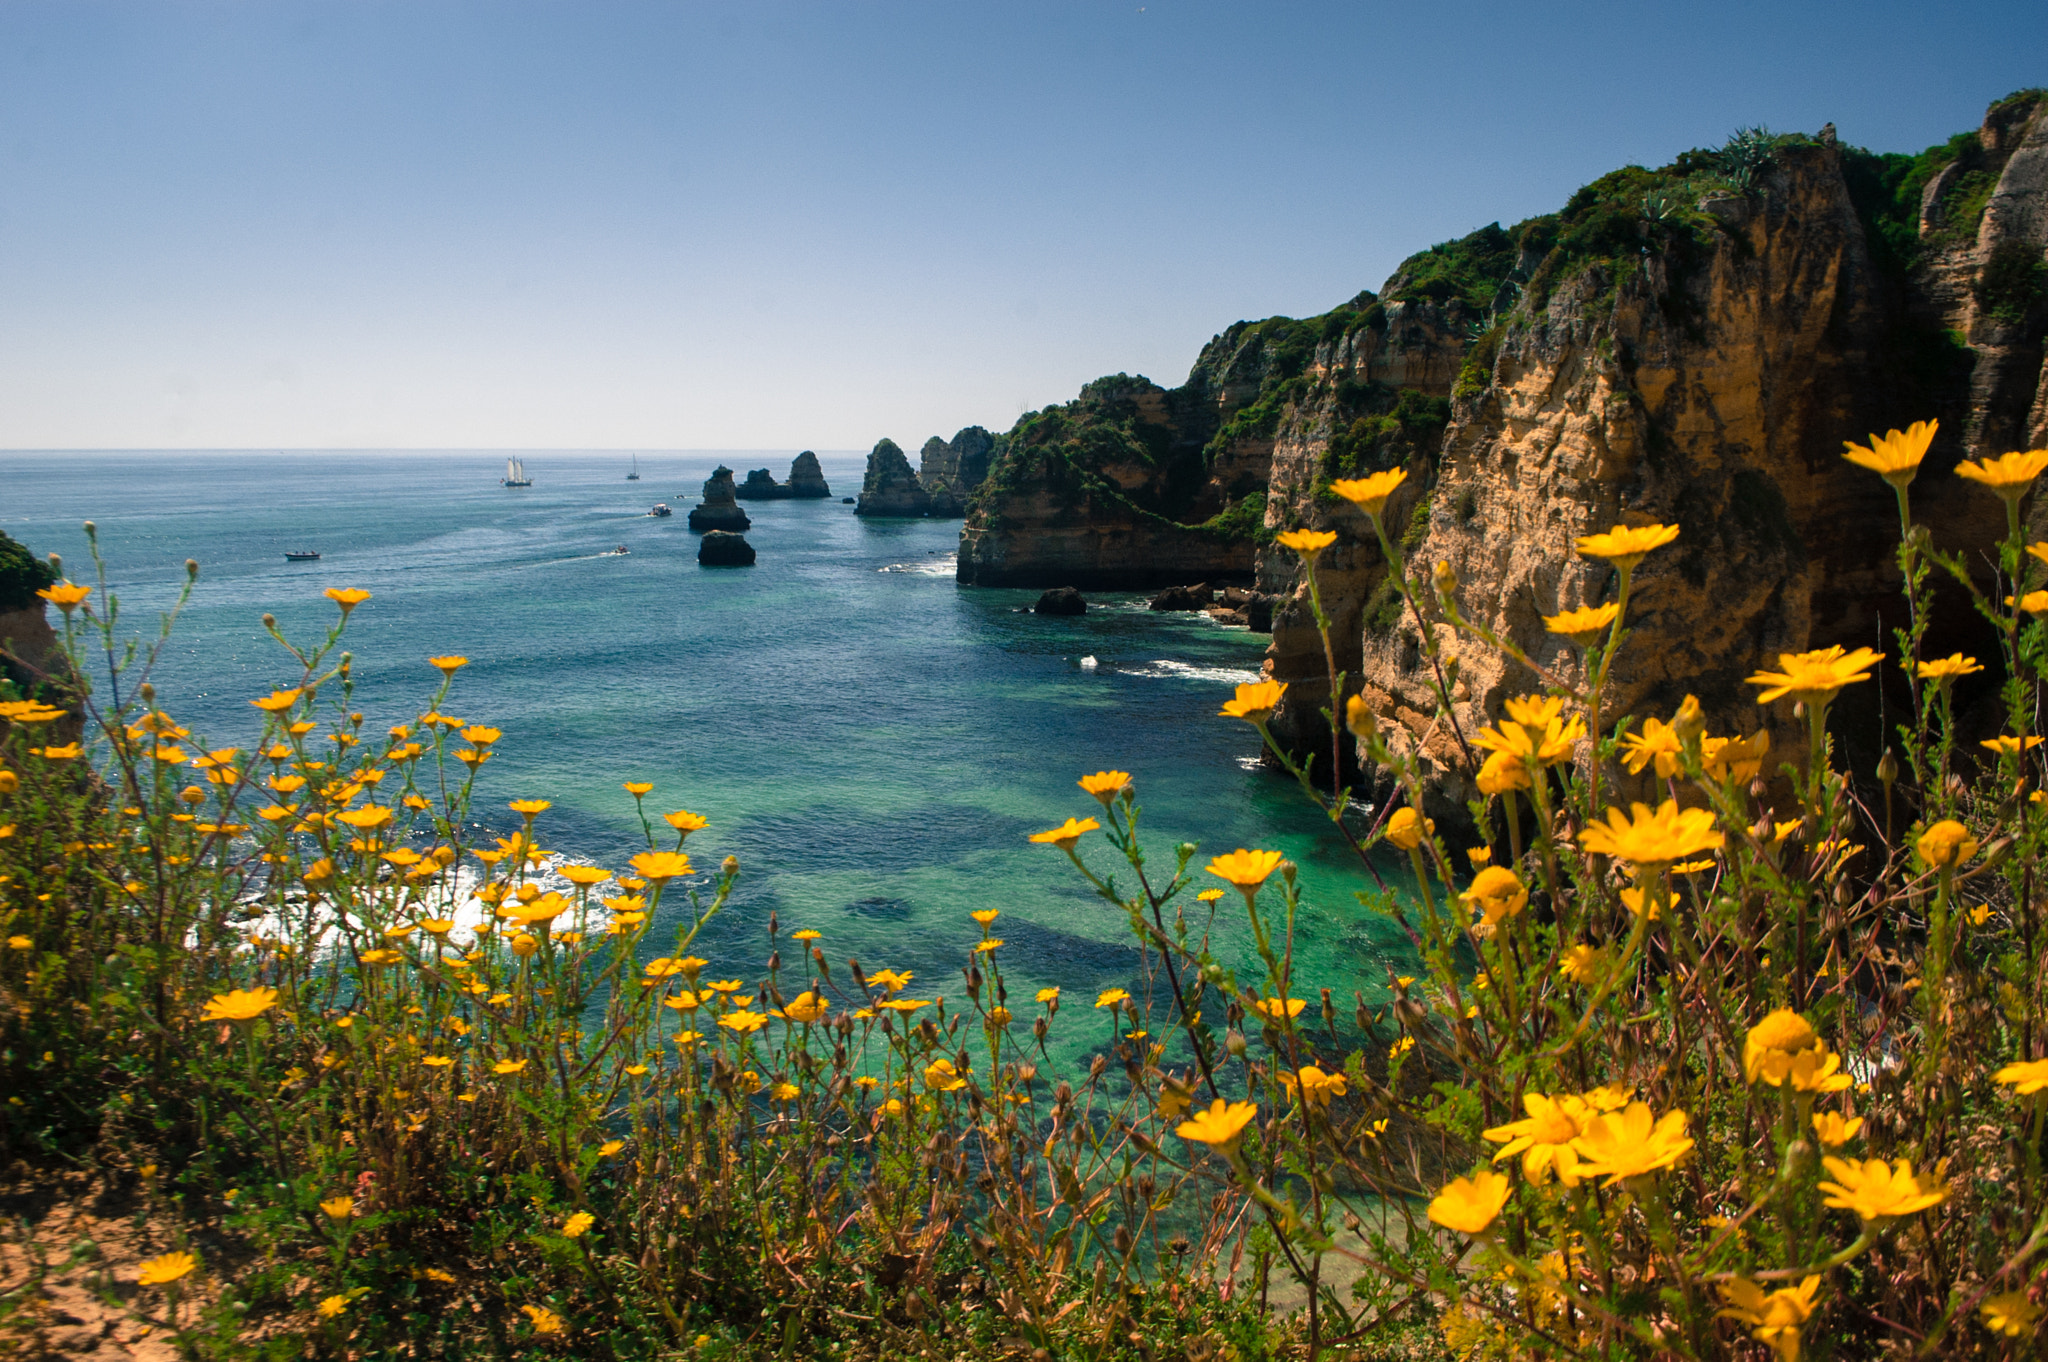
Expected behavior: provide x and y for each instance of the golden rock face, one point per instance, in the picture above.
(1719, 402)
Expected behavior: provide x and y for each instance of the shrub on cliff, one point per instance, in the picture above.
(22, 575)
(2009, 288)
(1470, 270)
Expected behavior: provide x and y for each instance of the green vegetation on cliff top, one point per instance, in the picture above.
(1887, 187)
(22, 574)
(1065, 452)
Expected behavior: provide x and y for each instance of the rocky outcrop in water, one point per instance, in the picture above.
(806, 481)
(891, 488)
(950, 470)
(722, 548)
(1690, 345)
(760, 485)
(720, 509)
(1195, 597)
(1061, 600)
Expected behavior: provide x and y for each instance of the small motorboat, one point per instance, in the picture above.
(660, 510)
(302, 555)
(615, 553)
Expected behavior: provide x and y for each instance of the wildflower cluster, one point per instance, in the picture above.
(1689, 1055)
(467, 1093)
(1701, 1050)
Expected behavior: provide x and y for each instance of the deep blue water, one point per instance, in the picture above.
(872, 740)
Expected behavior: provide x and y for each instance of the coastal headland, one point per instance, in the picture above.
(1690, 344)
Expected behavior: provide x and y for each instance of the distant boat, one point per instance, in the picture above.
(515, 474)
(302, 556)
(617, 552)
(660, 509)
(634, 476)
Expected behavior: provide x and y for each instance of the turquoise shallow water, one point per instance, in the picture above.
(873, 741)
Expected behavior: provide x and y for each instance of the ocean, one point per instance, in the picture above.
(873, 741)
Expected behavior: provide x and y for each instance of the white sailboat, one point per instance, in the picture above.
(515, 473)
(634, 476)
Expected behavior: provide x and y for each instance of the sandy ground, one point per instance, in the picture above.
(69, 1253)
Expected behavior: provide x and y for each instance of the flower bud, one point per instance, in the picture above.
(525, 944)
(1689, 722)
(1359, 718)
(1446, 579)
(1888, 767)
(1407, 828)
(731, 865)
(1234, 1042)
(192, 568)
(92, 531)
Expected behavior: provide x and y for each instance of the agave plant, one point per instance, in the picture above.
(1748, 154)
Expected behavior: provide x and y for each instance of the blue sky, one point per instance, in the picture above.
(362, 223)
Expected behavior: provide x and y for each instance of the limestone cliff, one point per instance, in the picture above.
(1690, 345)
(1373, 397)
(952, 469)
(1135, 485)
(891, 488)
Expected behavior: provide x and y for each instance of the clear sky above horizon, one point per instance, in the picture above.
(479, 223)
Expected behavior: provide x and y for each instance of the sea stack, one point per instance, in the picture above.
(806, 482)
(720, 510)
(951, 469)
(806, 479)
(722, 548)
(891, 488)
